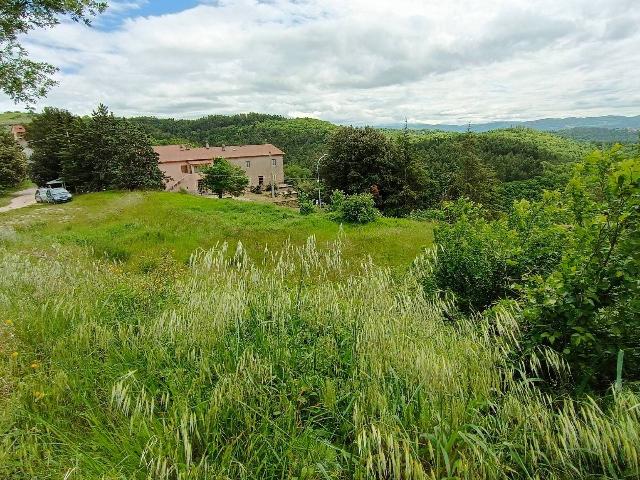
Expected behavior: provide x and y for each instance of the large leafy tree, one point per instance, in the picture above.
(222, 177)
(107, 152)
(358, 159)
(21, 78)
(48, 136)
(13, 163)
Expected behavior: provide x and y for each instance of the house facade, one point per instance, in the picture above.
(18, 132)
(263, 164)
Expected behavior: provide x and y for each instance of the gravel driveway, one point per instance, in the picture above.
(21, 199)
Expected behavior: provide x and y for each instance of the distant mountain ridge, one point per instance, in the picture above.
(545, 124)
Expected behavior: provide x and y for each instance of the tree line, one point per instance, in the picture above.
(100, 152)
(407, 170)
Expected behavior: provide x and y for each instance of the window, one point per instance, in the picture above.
(260, 180)
(247, 163)
(184, 168)
(274, 162)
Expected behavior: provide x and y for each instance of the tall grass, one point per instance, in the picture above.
(291, 365)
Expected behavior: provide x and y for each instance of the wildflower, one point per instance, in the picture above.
(38, 395)
(8, 322)
(14, 354)
(35, 365)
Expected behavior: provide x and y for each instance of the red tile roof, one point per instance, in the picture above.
(180, 153)
(18, 129)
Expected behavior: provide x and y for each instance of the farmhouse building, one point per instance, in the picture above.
(18, 132)
(263, 164)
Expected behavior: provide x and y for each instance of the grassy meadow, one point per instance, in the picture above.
(137, 229)
(164, 336)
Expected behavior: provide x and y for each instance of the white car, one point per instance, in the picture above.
(41, 195)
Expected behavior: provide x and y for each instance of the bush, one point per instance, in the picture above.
(587, 308)
(481, 260)
(306, 205)
(358, 208)
(336, 201)
(475, 261)
(571, 260)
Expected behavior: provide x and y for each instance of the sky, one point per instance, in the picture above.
(350, 61)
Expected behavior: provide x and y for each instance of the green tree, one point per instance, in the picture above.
(13, 163)
(360, 160)
(106, 152)
(473, 179)
(22, 79)
(222, 177)
(48, 136)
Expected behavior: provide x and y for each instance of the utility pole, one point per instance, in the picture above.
(318, 176)
(273, 183)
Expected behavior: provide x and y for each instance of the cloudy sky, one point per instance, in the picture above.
(351, 61)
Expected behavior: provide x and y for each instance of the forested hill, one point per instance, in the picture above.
(303, 139)
(543, 124)
(601, 134)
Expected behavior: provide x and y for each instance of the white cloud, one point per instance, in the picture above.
(358, 61)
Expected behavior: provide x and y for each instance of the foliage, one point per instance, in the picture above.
(306, 205)
(356, 208)
(288, 365)
(599, 135)
(364, 160)
(223, 177)
(408, 170)
(13, 163)
(295, 174)
(494, 168)
(480, 260)
(571, 261)
(587, 308)
(553, 177)
(472, 179)
(302, 139)
(105, 152)
(22, 79)
(358, 159)
(336, 201)
(49, 136)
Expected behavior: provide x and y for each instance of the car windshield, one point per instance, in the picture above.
(56, 191)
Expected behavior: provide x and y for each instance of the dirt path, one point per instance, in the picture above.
(21, 199)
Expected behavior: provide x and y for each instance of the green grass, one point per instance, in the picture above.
(11, 118)
(300, 361)
(139, 228)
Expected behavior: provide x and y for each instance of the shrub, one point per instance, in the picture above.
(358, 208)
(475, 261)
(306, 205)
(481, 260)
(336, 201)
(587, 308)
